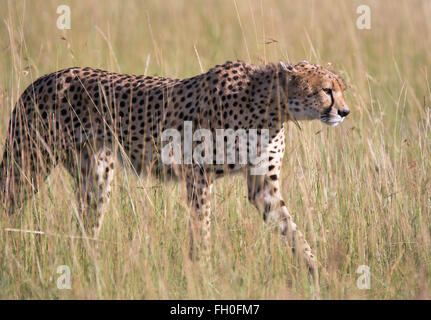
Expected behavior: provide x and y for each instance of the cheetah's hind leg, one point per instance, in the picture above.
(93, 172)
(198, 192)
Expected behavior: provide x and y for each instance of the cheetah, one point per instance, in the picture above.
(85, 118)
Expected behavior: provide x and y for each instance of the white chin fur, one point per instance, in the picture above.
(334, 122)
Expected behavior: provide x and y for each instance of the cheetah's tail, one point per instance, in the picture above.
(5, 196)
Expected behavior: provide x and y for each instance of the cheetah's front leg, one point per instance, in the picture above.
(264, 193)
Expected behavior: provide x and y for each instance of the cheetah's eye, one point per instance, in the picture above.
(328, 91)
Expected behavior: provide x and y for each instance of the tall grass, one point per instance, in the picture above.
(361, 192)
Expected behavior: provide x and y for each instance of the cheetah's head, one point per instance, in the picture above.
(315, 93)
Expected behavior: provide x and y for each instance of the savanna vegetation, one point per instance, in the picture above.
(361, 192)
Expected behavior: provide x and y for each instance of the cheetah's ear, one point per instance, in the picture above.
(287, 67)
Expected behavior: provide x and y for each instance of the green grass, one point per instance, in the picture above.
(361, 192)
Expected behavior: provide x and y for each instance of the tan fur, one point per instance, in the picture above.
(81, 117)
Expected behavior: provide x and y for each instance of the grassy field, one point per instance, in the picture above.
(361, 192)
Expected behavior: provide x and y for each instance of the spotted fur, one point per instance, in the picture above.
(83, 117)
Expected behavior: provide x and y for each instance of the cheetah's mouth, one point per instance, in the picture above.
(331, 120)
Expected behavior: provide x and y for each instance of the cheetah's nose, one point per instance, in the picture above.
(343, 113)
